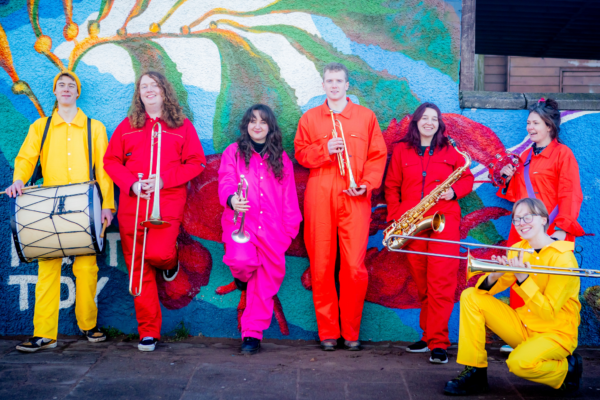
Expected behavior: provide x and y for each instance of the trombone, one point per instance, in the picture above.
(240, 235)
(155, 221)
(341, 162)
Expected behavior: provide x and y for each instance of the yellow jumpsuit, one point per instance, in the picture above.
(64, 160)
(543, 332)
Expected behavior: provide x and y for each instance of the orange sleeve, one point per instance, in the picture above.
(376, 158)
(393, 184)
(570, 196)
(512, 190)
(308, 154)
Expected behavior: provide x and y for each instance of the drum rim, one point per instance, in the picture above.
(92, 221)
(13, 228)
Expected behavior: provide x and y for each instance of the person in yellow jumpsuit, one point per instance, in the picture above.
(64, 160)
(543, 332)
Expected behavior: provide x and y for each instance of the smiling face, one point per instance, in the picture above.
(258, 128)
(539, 132)
(66, 91)
(428, 124)
(529, 230)
(335, 84)
(150, 93)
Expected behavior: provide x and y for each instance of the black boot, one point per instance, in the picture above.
(239, 284)
(471, 381)
(573, 379)
(250, 345)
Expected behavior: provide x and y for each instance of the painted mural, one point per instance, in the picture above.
(222, 56)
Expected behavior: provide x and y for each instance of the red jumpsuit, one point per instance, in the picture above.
(182, 159)
(331, 214)
(554, 175)
(435, 277)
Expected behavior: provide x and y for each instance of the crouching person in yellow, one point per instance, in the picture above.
(64, 160)
(543, 332)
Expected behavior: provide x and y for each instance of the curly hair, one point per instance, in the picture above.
(172, 113)
(548, 112)
(273, 144)
(413, 137)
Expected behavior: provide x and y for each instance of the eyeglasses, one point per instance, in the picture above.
(527, 218)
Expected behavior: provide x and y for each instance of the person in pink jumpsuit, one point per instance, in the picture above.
(272, 217)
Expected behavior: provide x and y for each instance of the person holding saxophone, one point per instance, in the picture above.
(420, 163)
(260, 219)
(342, 145)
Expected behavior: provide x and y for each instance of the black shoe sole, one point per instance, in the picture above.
(327, 348)
(250, 352)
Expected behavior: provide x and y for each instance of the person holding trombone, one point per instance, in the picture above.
(543, 332)
(152, 155)
(261, 217)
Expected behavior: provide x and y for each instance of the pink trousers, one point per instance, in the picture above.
(264, 270)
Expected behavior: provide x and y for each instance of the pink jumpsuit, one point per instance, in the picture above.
(272, 221)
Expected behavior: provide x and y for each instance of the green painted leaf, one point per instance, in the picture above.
(14, 130)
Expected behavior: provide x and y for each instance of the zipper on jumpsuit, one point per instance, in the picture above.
(424, 170)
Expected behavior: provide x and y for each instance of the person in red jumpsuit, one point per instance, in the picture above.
(553, 175)
(182, 159)
(333, 211)
(420, 162)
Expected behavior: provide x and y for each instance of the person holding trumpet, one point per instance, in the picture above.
(60, 142)
(260, 219)
(543, 332)
(155, 121)
(342, 145)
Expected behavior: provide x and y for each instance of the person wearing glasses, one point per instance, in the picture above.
(543, 332)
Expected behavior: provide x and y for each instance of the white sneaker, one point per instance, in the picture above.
(147, 344)
(506, 349)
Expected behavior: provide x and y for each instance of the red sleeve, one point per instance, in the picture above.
(464, 185)
(114, 160)
(512, 190)
(376, 158)
(193, 160)
(308, 154)
(393, 183)
(570, 196)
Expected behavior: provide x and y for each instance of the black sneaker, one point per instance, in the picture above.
(328, 344)
(147, 344)
(170, 274)
(418, 347)
(471, 381)
(250, 346)
(94, 335)
(438, 356)
(36, 343)
(573, 379)
(353, 345)
(240, 285)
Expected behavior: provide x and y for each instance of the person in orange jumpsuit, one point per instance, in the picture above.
(334, 212)
(549, 172)
(421, 162)
(182, 159)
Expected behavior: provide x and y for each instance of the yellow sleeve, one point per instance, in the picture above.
(99, 148)
(559, 290)
(503, 283)
(29, 153)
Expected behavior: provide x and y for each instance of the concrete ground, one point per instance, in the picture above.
(206, 368)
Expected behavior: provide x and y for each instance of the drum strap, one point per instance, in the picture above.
(37, 172)
(89, 129)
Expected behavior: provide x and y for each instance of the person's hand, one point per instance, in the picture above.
(508, 171)
(107, 216)
(239, 205)
(15, 189)
(148, 185)
(516, 262)
(136, 188)
(448, 194)
(559, 235)
(335, 145)
(359, 191)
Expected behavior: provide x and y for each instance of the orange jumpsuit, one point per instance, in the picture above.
(554, 175)
(331, 214)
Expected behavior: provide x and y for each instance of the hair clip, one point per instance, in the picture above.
(540, 100)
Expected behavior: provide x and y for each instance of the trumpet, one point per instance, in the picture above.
(344, 159)
(240, 235)
(155, 221)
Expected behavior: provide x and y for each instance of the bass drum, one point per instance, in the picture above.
(57, 221)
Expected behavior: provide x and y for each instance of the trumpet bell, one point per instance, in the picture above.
(240, 236)
(155, 224)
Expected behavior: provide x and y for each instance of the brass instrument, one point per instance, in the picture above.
(412, 222)
(155, 221)
(240, 235)
(344, 159)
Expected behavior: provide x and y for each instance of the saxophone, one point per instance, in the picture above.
(413, 222)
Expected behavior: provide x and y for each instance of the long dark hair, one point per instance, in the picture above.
(548, 112)
(273, 144)
(413, 137)
(172, 113)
